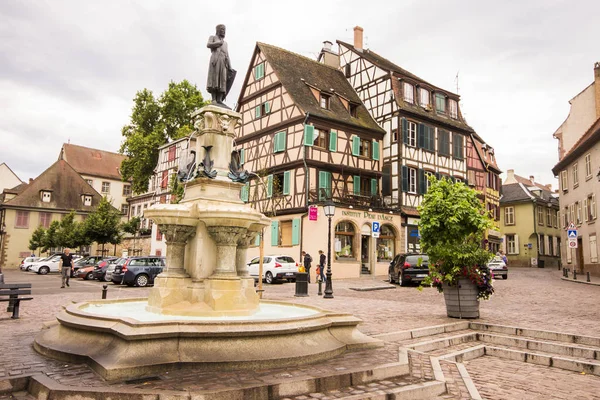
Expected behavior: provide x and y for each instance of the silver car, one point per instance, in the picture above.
(498, 268)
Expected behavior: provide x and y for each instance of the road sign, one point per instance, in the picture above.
(375, 229)
(572, 243)
(572, 234)
(571, 226)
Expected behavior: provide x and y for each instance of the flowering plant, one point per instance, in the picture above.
(452, 225)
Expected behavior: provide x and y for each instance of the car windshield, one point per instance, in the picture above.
(115, 261)
(414, 260)
(285, 259)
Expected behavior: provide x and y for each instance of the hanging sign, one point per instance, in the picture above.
(313, 212)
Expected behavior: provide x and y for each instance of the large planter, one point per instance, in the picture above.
(461, 300)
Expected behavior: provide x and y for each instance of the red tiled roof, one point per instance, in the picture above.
(94, 162)
(577, 147)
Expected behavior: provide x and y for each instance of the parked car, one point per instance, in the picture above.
(88, 261)
(27, 261)
(111, 269)
(275, 268)
(498, 268)
(407, 268)
(101, 267)
(138, 270)
(50, 264)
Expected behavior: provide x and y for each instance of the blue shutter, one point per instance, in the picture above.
(309, 132)
(296, 231)
(242, 157)
(355, 145)
(269, 185)
(405, 130)
(356, 184)
(420, 136)
(375, 150)
(286, 182)
(274, 233)
(373, 187)
(404, 178)
(333, 141)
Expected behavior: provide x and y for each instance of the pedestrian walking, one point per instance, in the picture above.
(307, 260)
(67, 265)
(322, 262)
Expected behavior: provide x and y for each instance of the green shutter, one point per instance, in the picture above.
(355, 145)
(373, 187)
(375, 150)
(405, 130)
(267, 107)
(259, 71)
(324, 185)
(404, 178)
(244, 194)
(286, 182)
(422, 185)
(282, 140)
(309, 132)
(420, 136)
(274, 233)
(257, 240)
(257, 112)
(356, 184)
(296, 231)
(333, 141)
(242, 157)
(270, 186)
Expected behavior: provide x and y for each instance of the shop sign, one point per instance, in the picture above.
(367, 215)
(313, 212)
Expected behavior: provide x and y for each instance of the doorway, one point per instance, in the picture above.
(580, 255)
(365, 242)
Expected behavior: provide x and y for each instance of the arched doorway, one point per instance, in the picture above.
(386, 243)
(365, 249)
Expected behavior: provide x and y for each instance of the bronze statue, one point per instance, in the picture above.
(220, 73)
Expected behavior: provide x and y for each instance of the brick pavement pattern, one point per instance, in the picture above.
(530, 298)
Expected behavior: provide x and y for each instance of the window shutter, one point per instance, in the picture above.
(593, 206)
(404, 130)
(517, 247)
(309, 132)
(244, 194)
(373, 187)
(404, 178)
(242, 158)
(355, 145)
(420, 135)
(296, 231)
(585, 210)
(437, 176)
(282, 140)
(274, 233)
(323, 183)
(257, 112)
(421, 182)
(286, 182)
(466, 182)
(269, 185)
(257, 240)
(276, 142)
(356, 184)
(267, 107)
(333, 141)
(375, 150)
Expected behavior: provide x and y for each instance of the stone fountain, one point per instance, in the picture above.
(203, 310)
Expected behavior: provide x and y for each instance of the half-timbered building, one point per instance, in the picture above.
(425, 133)
(307, 138)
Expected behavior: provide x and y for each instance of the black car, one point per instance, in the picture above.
(101, 267)
(138, 271)
(407, 268)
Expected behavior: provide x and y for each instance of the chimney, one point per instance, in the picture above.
(596, 84)
(328, 56)
(532, 179)
(358, 38)
(30, 180)
(510, 177)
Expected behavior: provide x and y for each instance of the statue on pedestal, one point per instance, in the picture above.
(220, 73)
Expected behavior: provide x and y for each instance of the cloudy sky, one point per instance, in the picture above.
(70, 69)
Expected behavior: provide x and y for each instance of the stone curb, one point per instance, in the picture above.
(420, 332)
(538, 334)
(444, 342)
(465, 355)
(464, 374)
(580, 281)
(372, 288)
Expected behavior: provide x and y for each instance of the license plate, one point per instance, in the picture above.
(289, 274)
(421, 275)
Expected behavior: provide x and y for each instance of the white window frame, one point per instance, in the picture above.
(511, 245)
(453, 108)
(46, 196)
(593, 249)
(408, 92)
(564, 182)
(588, 166)
(412, 134)
(87, 200)
(509, 216)
(412, 180)
(107, 184)
(427, 181)
(424, 98)
(575, 175)
(579, 215)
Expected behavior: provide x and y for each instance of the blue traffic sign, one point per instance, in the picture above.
(572, 233)
(376, 226)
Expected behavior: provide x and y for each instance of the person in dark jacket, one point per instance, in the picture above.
(306, 261)
(322, 262)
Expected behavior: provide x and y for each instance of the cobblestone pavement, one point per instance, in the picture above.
(530, 298)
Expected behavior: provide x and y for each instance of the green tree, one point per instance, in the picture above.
(50, 239)
(67, 232)
(177, 190)
(153, 123)
(103, 225)
(37, 239)
(132, 226)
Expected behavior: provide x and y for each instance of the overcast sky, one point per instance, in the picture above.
(70, 69)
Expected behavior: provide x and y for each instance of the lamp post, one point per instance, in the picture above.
(329, 210)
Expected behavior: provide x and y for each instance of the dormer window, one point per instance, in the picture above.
(453, 108)
(46, 196)
(424, 99)
(440, 103)
(409, 93)
(324, 101)
(87, 200)
(353, 108)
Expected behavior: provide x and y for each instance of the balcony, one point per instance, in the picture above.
(350, 198)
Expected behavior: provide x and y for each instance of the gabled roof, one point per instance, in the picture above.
(520, 192)
(11, 171)
(94, 162)
(587, 140)
(298, 74)
(66, 186)
(485, 156)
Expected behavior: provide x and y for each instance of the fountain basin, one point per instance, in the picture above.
(137, 343)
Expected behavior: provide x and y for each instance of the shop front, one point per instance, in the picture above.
(413, 239)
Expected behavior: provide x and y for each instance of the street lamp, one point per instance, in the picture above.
(329, 210)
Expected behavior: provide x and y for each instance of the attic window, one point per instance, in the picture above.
(347, 70)
(353, 108)
(324, 101)
(87, 200)
(46, 196)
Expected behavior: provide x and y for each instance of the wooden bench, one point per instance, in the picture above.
(11, 292)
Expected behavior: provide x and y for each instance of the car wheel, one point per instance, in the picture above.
(43, 270)
(401, 280)
(505, 276)
(141, 280)
(89, 276)
(391, 277)
(269, 277)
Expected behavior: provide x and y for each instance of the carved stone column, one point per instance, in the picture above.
(177, 237)
(242, 248)
(226, 239)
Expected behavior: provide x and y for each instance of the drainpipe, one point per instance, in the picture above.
(535, 232)
(306, 177)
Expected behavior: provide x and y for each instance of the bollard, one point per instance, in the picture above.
(104, 290)
(320, 282)
(588, 277)
(574, 274)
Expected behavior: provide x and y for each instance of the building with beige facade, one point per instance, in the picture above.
(530, 223)
(8, 179)
(52, 195)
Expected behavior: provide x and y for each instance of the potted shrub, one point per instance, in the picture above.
(452, 226)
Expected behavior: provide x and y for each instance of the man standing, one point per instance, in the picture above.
(220, 73)
(67, 265)
(307, 259)
(322, 262)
